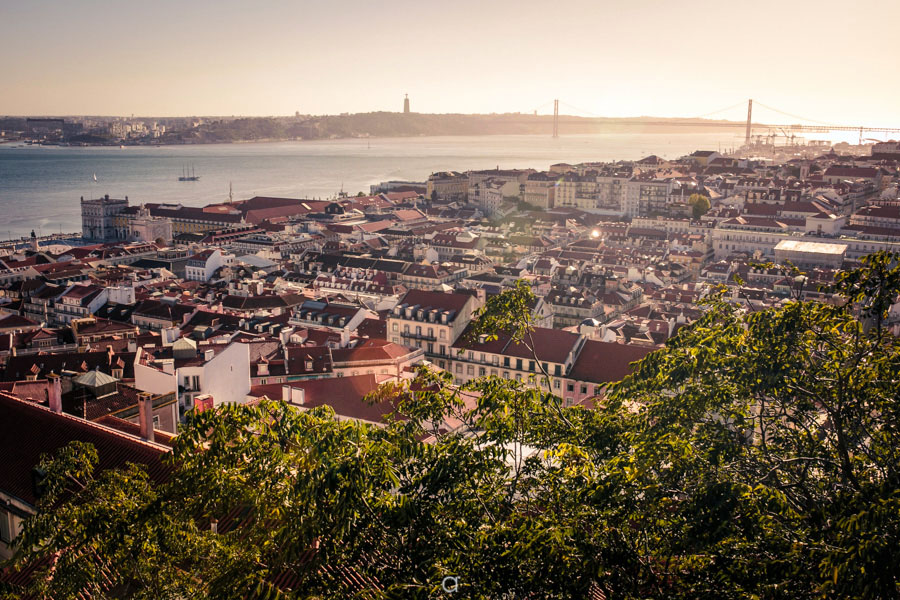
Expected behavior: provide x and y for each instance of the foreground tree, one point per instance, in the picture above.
(754, 456)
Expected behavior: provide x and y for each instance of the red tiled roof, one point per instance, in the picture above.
(605, 362)
(17, 321)
(133, 429)
(31, 430)
(370, 350)
(439, 300)
(550, 345)
(344, 394)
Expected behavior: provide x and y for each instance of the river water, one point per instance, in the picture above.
(40, 186)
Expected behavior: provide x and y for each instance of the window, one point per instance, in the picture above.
(505, 361)
(309, 365)
(584, 389)
(443, 334)
(531, 365)
(557, 370)
(187, 382)
(443, 350)
(518, 377)
(431, 332)
(556, 384)
(418, 330)
(156, 422)
(396, 326)
(505, 374)
(196, 382)
(482, 357)
(570, 387)
(5, 530)
(470, 370)
(518, 364)
(458, 368)
(481, 372)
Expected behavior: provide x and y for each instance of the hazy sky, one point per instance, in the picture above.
(832, 61)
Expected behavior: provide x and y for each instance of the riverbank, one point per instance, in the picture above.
(397, 125)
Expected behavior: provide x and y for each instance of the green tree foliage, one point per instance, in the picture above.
(700, 204)
(755, 456)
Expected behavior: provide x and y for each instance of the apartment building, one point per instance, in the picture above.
(545, 352)
(202, 266)
(432, 321)
(220, 373)
(539, 190)
(571, 306)
(447, 186)
(646, 194)
(78, 302)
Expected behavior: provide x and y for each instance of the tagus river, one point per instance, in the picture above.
(40, 186)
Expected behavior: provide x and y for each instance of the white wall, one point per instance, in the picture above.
(149, 379)
(227, 376)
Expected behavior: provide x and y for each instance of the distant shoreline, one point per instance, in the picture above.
(384, 125)
(681, 130)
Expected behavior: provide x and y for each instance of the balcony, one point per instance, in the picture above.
(418, 336)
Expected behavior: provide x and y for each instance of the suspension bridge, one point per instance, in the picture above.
(806, 125)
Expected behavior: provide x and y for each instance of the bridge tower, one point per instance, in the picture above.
(556, 118)
(749, 116)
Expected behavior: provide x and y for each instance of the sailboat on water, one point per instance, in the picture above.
(188, 177)
(95, 178)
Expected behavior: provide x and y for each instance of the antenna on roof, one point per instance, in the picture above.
(230, 195)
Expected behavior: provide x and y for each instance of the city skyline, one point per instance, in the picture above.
(615, 61)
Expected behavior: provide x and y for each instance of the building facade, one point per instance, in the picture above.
(98, 219)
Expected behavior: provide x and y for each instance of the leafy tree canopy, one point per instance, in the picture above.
(700, 204)
(756, 455)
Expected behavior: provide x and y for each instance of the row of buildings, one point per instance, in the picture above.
(165, 309)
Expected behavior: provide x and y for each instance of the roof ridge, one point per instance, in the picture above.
(79, 420)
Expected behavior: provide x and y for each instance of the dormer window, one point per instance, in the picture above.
(309, 365)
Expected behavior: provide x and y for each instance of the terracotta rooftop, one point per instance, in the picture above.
(605, 362)
(31, 431)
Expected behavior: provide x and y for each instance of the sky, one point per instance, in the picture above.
(828, 61)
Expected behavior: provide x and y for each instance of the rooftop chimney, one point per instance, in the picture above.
(298, 396)
(286, 393)
(145, 415)
(54, 396)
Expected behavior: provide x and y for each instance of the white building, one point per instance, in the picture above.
(202, 266)
(221, 371)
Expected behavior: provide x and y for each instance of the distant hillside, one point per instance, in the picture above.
(390, 124)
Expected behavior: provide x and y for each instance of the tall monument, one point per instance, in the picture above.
(406, 104)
